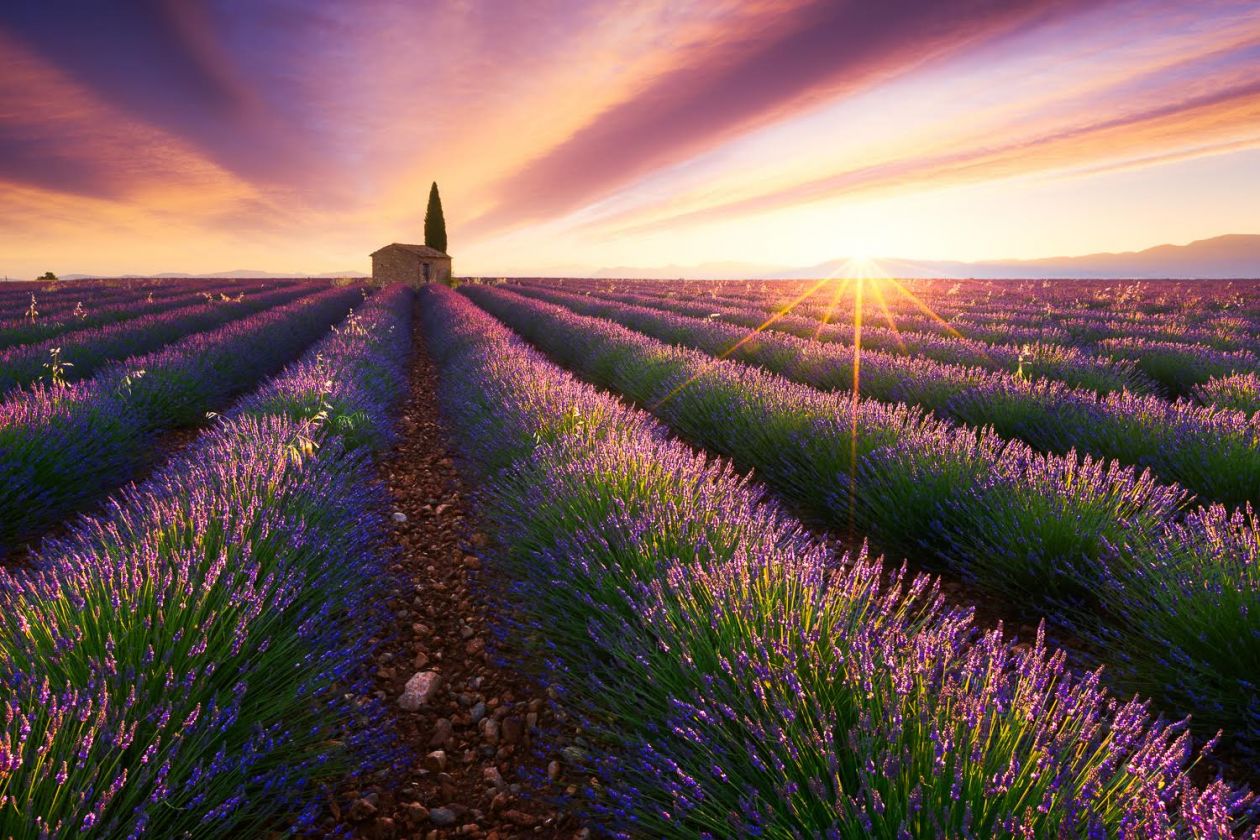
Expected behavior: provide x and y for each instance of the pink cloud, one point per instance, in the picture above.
(813, 51)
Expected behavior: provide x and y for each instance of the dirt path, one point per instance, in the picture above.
(469, 722)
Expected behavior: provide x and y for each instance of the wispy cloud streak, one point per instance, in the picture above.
(811, 52)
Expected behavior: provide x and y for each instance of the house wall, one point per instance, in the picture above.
(402, 267)
(442, 271)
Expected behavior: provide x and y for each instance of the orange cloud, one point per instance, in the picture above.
(810, 51)
(1225, 120)
(56, 136)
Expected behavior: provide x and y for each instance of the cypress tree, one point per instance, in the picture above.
(434, 222)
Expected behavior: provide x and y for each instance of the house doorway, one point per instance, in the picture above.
(425, 267)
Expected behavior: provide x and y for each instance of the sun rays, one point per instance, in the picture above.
(845, 296)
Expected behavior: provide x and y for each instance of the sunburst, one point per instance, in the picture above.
(856, 276)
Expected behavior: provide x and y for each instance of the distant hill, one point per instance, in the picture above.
(1231, 256)
(1234, 255)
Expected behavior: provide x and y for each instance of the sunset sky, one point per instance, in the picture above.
(573, 135)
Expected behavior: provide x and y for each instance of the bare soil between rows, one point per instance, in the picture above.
(475, 771)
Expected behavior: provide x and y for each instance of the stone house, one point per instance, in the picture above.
(413, 264)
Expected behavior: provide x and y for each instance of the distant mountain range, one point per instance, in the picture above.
(1231, 256)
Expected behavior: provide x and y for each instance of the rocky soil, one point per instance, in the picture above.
(471, 724)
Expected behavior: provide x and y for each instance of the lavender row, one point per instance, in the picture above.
(39, 311)
(1212, 452)
(193, 662)
(80, 354)
(1193, 301)
(1228, 341)
(1193, 304)
(1237, 392)
(1068, 537)
(1033, 361)
(903, 311)
(1085, 328)
(15, 298)
(1175, 357)
(62, 446)
(43, 325)
(735, 678)
(1224, 333)
(351, 378)
(1180, 367)
(60, 303)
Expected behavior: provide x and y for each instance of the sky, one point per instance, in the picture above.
(569, 136)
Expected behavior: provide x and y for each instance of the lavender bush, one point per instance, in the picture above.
(1238, 392)
(191, 662)
(63, 446)
(1187, 620)
(103, 312)
(1180, 367)
(84, 351)
(1213, 452)
(1038, 530)
(739, 681)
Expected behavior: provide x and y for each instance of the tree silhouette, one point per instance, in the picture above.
(434, 222)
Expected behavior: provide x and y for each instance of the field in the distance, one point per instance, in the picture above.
(841, 558)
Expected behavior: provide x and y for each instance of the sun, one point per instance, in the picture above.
(862, 267)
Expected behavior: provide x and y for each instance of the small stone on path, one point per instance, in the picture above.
(419, 690)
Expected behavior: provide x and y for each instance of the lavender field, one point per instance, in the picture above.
(183, 662)
(688, 419)
(844, 558)
(694, 541)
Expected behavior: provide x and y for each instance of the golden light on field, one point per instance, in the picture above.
(859, 283)
(859, 277)
(738, 344)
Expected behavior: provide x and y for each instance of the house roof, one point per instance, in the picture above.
(418, 250)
